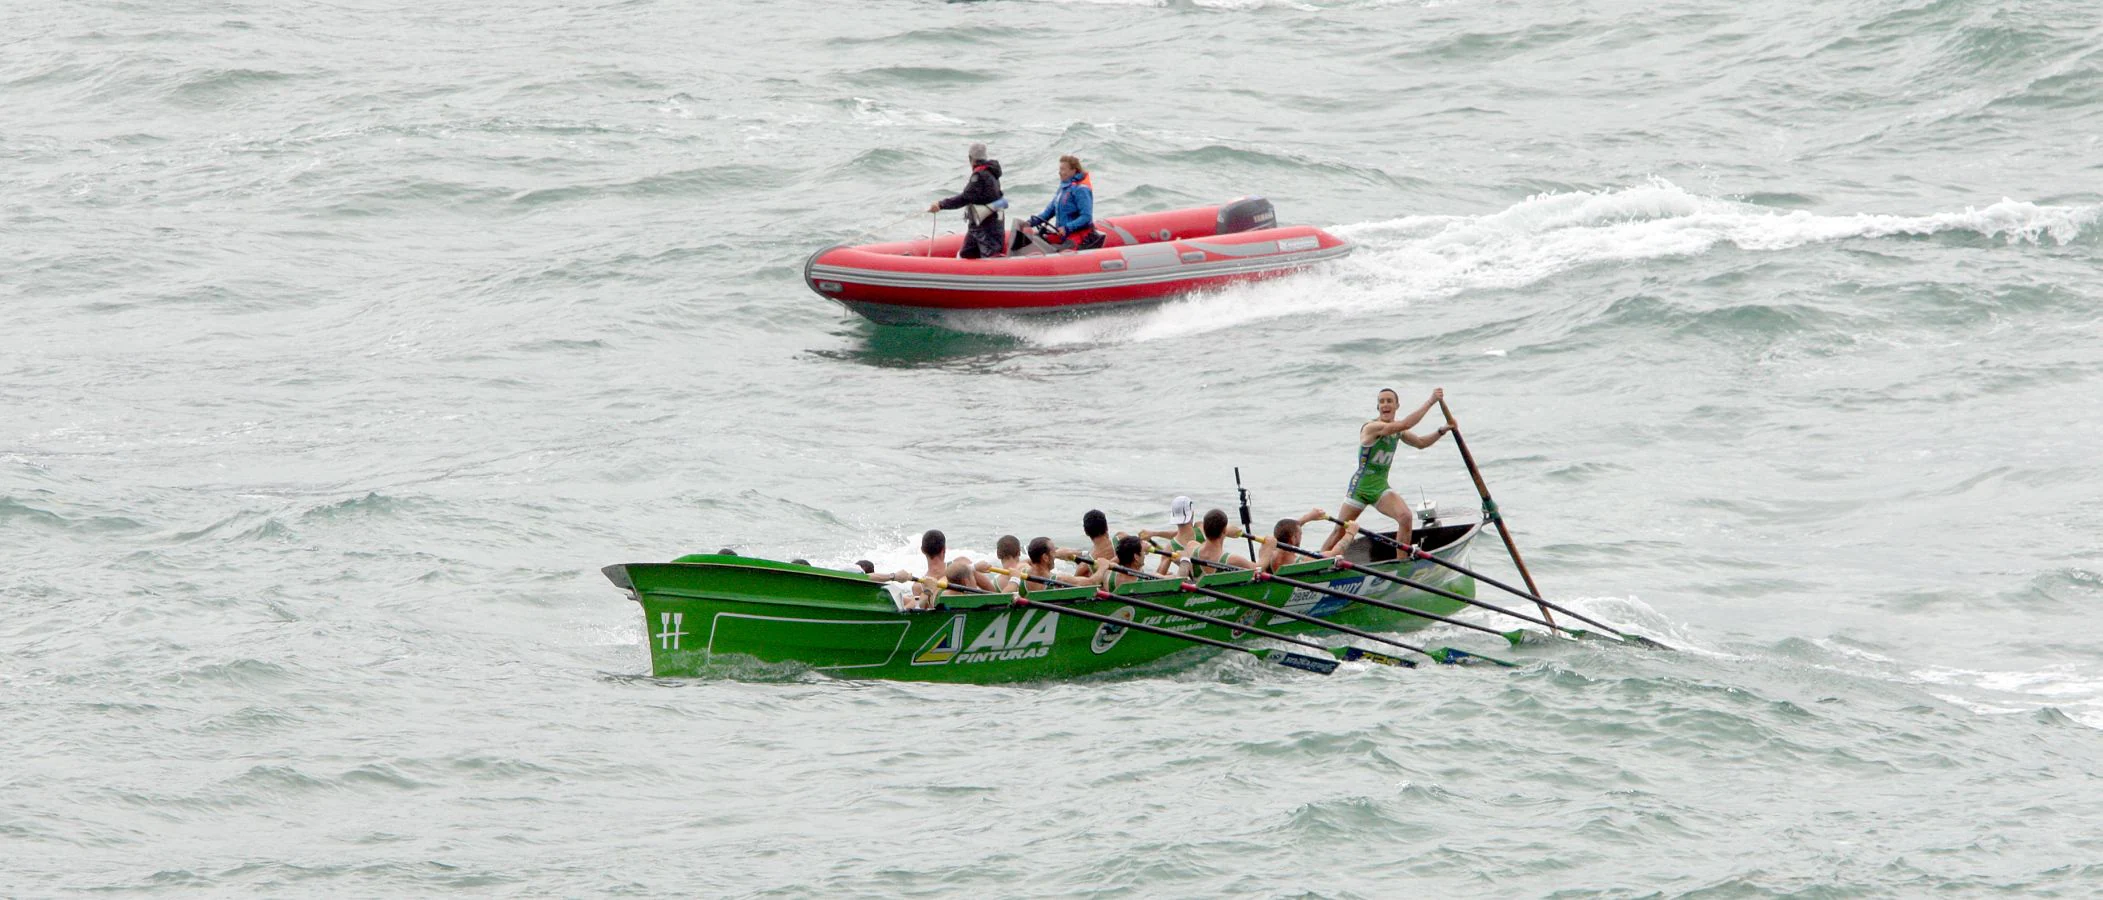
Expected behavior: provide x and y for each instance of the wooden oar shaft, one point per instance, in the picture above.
(1413, 583)
(1489, 508)
(1354, 598)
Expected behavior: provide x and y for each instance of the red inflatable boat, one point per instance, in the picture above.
(1144, 257)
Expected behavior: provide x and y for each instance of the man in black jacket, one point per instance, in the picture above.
(982, 202)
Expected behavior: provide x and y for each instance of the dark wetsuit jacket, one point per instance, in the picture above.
(982, 188)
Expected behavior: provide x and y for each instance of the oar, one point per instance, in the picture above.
(1489, 509)
(1349, 566)
(1516, 637)
(1446, 655)
(1104, 595)
(1411, 552)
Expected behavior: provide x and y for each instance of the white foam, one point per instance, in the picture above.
(2072, 689)
(1401, 260)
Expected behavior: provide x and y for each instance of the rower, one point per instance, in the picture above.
(935, 546)
(1097, 527)
(1214, 546)
(962, 579)
(1181, 534)
(1287, 531)
(1184, 536)
(1042, 556)
(1009, 550)
(1131, 552)
(869, 568)
(1376, 452)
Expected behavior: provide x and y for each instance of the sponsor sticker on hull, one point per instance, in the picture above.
(1107, 635)
(1001, 640)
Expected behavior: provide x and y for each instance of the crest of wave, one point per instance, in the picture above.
(1422, 257)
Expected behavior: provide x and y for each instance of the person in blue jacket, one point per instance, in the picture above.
(1068, 221)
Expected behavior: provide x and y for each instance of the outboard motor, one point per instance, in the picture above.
(1246, 214)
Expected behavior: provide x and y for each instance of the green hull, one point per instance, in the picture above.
(707, 614)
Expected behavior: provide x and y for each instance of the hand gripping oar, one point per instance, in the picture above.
(1446, 655)
(1515, 637)
(1411, 552)
(1490, 513)
(1284, 658)
(1349, 654)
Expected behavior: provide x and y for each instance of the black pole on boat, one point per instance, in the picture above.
(1409, 552)
(1284, 658)
(1515, 637)
(1446, 655)
(1104, 595)
(1245, 525)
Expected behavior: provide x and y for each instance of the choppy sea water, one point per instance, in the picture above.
(344, 344)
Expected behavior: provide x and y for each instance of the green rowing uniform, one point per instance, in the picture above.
(1197, 536)
(1370, 481)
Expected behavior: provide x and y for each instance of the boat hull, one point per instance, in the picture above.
(720, 614)
(1145, 258)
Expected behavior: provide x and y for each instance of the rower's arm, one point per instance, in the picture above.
(1343, 544)
(1422, 441)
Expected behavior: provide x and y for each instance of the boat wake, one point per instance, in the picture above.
(1428, 257)
(2062, 692)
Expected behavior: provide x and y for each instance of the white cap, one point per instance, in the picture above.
(1179, 512)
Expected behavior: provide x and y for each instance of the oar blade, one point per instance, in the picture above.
(1299, 661)
(1516, 636)
(1643, 642)
(1454, 656)
(1360, 654)
(1635, 640)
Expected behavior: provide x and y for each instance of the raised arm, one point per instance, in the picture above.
(1421, 441)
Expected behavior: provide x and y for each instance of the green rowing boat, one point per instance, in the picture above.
(706, 612)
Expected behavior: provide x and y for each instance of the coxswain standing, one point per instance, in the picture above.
(1376, 452)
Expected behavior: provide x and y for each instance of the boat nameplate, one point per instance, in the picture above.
(1295, 245)
(1113, 265)
(830, 287)
(1191, 256)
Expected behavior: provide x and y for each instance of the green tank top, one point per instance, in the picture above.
(1373, 462)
